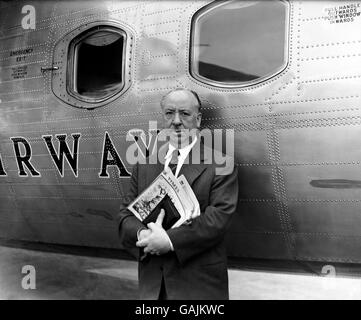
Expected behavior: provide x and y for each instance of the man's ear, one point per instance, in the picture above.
(199, 119)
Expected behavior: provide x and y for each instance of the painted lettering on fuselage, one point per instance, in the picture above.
(59, 151)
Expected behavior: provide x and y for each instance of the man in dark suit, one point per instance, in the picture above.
(187, 262)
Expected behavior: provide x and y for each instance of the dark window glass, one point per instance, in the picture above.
(98, 63)
(238, 42)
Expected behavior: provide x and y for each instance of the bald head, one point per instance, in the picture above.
(185, 95)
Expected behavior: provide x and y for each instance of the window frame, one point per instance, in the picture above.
(61, 77)
(73, 60)
(192, 65)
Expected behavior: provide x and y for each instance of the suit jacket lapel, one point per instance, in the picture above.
(194, 163)
(192, 171)
(153, 171)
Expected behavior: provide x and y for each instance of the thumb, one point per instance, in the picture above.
(151, 226)
(160, 217)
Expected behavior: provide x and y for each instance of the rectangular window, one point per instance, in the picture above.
(98, 63)
(239, 42)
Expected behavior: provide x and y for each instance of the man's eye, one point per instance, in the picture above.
(185, 114)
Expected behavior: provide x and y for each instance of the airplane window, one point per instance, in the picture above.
(97, 63)
(238, 43)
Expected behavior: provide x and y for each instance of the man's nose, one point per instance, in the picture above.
(177, 120)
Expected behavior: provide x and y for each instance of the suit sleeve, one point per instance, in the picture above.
(128, 224)
(210, 227)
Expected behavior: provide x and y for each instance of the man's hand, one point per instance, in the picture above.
(157, 242)
(144, 233)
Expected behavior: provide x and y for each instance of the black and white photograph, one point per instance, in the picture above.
(250, 111)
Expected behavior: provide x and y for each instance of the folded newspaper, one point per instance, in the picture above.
(173, 195)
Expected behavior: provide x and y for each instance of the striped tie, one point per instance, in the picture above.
(174, 161)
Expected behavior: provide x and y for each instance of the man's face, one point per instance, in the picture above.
(181, 115)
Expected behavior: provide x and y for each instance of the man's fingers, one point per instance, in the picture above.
(160, 217)
(147, 250)
(151, 250)
(144, 233)
(142, 243)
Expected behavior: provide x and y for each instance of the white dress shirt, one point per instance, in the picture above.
(183, 153)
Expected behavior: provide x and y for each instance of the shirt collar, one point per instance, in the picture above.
(183, 151)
